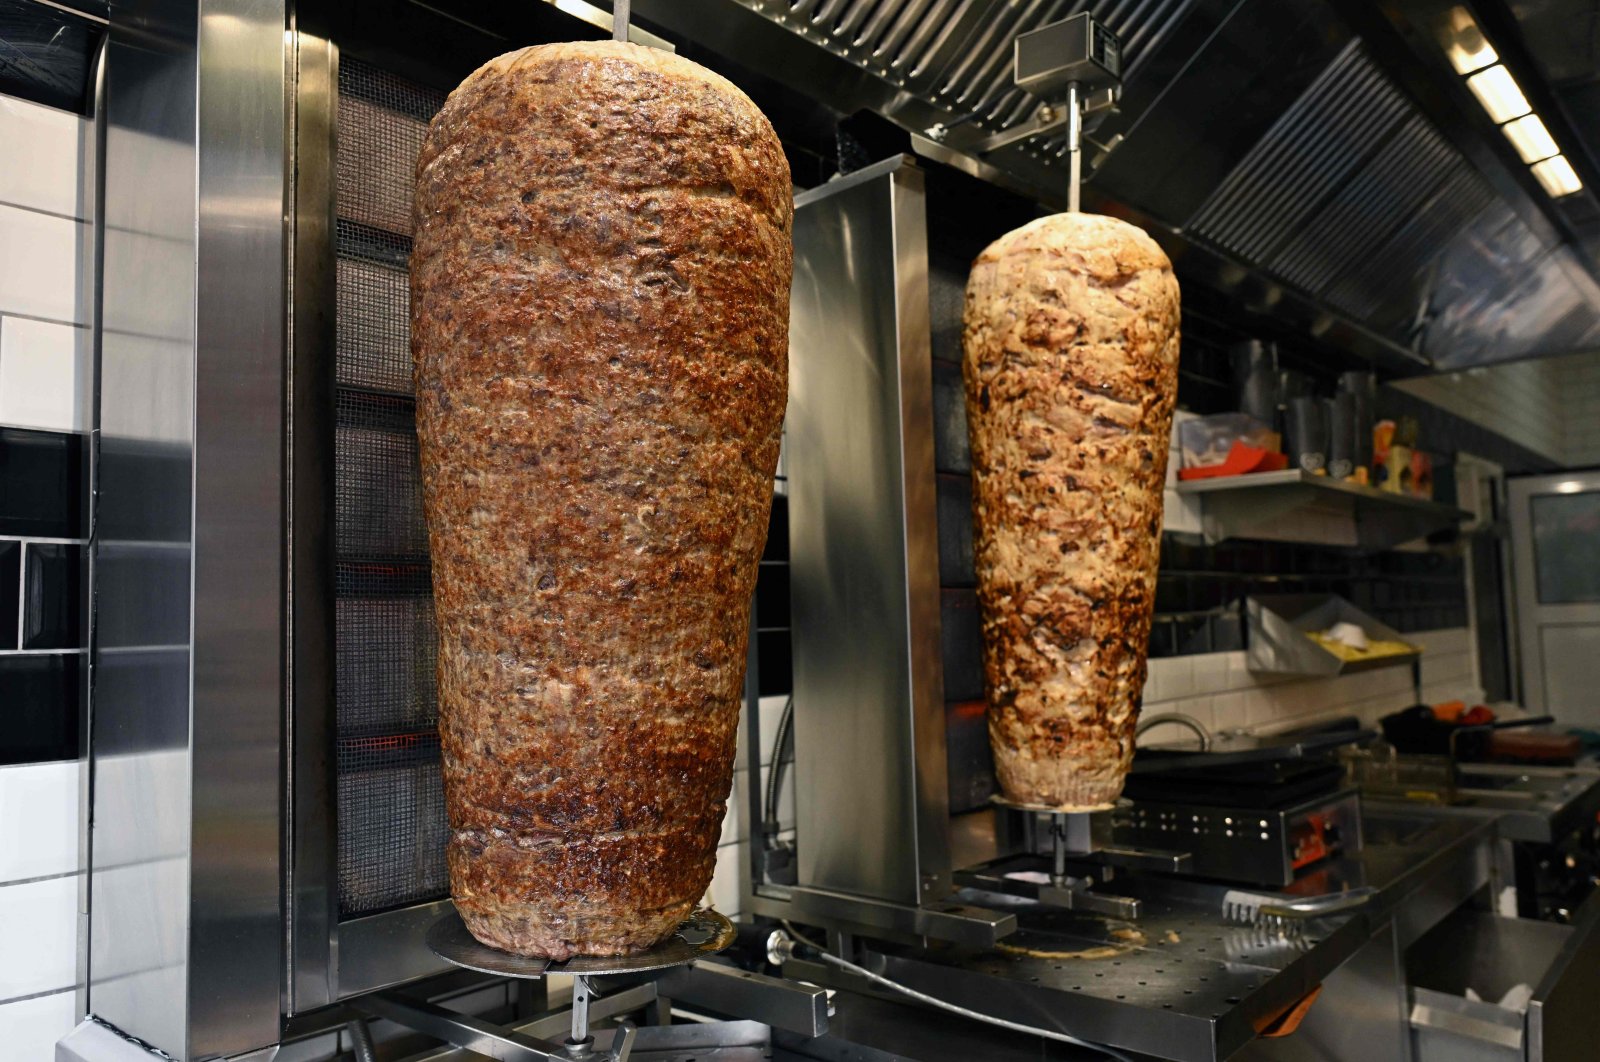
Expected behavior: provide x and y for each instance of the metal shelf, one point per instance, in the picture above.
(1247, 506)
(1276, 629)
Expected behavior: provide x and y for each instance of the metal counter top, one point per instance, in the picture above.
(1182, 983)
(1539, 804)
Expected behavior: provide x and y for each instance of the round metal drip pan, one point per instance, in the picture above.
(1044, 809)
(704, 933)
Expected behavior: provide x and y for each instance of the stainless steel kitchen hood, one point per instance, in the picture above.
(1268, 142)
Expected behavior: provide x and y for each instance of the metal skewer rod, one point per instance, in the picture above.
(620, 17)
(1058, 848)
(1074, 145)
(581, 995)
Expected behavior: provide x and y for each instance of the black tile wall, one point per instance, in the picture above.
(43, 707)
(52, 596)
(10, 587)
(41, 484)
(774, 667)
(42, 600)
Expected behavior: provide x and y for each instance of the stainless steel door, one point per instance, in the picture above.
(1555, 540)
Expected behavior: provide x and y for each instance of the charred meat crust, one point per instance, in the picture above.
(600, 293)
(1070, 366)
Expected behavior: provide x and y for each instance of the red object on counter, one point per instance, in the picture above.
(1242, 459)
(1478, 715)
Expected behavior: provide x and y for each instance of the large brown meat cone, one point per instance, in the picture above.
(600, 300)
(1071, 365)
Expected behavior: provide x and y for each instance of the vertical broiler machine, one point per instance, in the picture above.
(906, 855)
(267, 822)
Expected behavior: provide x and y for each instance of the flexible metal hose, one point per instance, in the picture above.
(1151, 721)
(361, 1040)
(769, 810)
(934, 1001)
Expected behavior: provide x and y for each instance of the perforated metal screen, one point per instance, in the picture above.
(391, 829)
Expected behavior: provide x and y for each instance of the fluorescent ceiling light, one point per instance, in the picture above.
(1465, 44)
(1531, 139)
(1557, 176)
(1499, 94)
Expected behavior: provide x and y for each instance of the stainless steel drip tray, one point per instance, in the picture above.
(1180, 983)
(1538, 804)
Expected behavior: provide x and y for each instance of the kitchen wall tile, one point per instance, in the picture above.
(46, 376)
(1210, 672)
(39, 924)
(44, 282)
(735, 821)
(1230, 711)
(40, 708)
(728, 881)
(771, 709)
(1180, 513)
(41, 483)
(51, 141)
(39, 822)
(1178, 681)
(1155, 683)
(29, 1028)
(53, 596)
(10, 590)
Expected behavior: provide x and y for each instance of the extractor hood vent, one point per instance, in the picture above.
(957, 53)
(1287, 152)
(1324, 136)
(1340, 177)
(1367, 286)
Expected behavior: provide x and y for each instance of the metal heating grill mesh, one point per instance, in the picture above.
(391, 827)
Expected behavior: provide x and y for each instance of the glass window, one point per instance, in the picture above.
(1566, 547)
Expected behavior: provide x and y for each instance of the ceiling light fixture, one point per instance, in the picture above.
(1465, 44)
(1476, 60)
(1531, 139)
(1557, 176)
(1497, 90)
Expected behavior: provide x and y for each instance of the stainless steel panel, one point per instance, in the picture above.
(1361, 1013)
(386, 949)
(728, 990)
(139, 731)
(185, 937)
(314, 902)
(1563, 1021)
(868, 690)
(236, 929)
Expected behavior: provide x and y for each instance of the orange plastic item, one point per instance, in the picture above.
(1286, 1022)
(1242, 458)
(1449, 711)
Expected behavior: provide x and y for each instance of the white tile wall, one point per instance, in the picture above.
(47, 145)
(39, 826)
(1550, 405)
(1220, 691)
(46, 379)
(29, 1028)
(1520, 401)
(733, 850)
(39, 256)
(45, 383)
(39, 924)
(41, 872)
